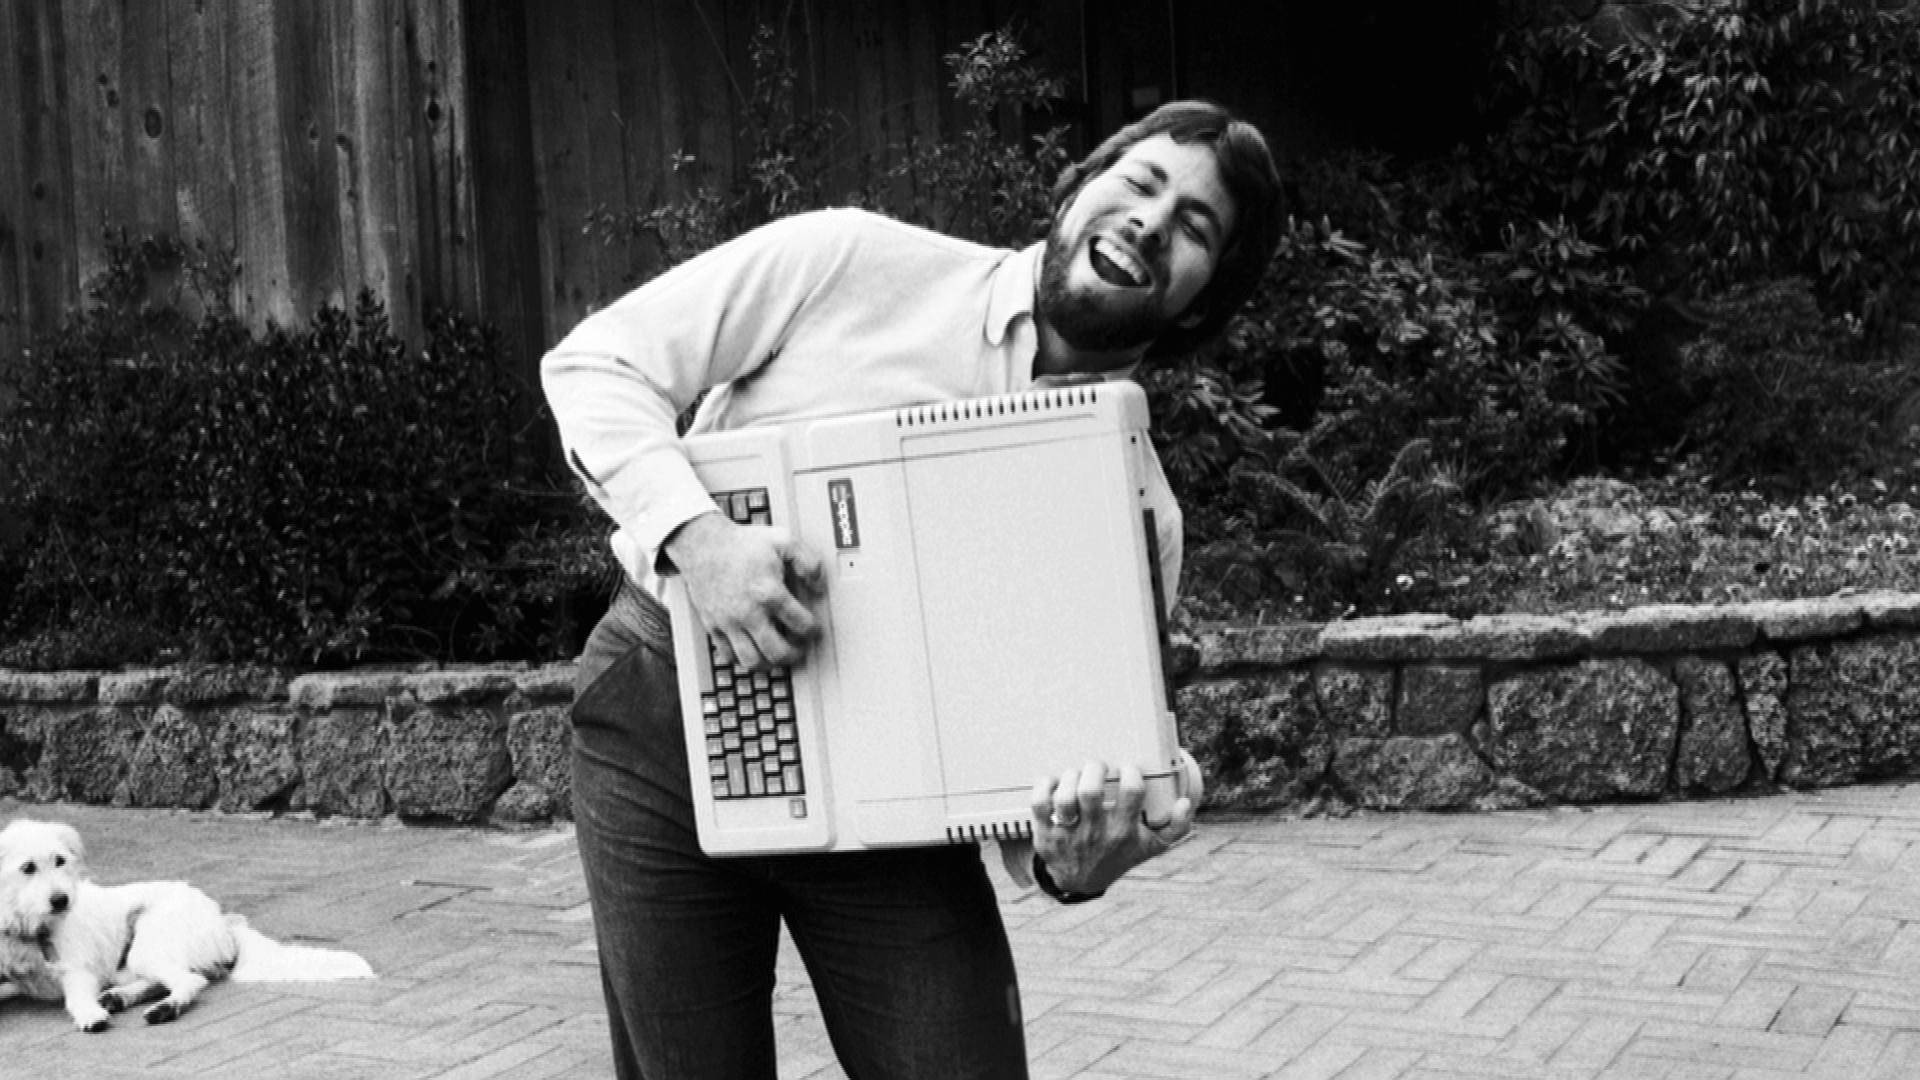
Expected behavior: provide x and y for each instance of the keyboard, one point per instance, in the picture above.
(753, 743)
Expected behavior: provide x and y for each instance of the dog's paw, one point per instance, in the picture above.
(162, 1013)
(111, 1001)
(92, 1022)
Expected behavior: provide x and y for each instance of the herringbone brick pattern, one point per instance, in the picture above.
(1756, 939)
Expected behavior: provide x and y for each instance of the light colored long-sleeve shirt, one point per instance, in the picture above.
(819, 314)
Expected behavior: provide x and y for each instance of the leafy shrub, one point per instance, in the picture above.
(1737, 139)
(1785, 396)
(1497, 360)
(314, 496)
(980, 185)
(786, 172)
(1333, 540)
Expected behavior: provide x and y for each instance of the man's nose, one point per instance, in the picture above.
(1152, 219)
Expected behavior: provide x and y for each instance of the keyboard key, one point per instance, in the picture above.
(790, 779)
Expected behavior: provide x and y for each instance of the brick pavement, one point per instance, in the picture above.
(1754, 939)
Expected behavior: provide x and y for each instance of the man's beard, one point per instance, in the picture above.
(1080, 318)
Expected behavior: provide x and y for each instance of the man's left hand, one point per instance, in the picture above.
(1088, 844)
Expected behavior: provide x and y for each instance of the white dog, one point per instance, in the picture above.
(99, 948)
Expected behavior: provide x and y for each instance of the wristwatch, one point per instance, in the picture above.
(1048, 886)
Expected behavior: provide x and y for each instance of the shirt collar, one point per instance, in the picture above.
(1014, 281)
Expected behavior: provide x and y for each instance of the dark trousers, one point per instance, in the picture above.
(905, 948)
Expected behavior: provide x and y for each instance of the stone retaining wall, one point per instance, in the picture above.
(1408, 713)
(461, 745)
(1427, 713)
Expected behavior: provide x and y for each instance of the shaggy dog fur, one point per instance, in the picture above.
(100, 949)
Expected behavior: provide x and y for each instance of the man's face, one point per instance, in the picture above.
(1130, 251)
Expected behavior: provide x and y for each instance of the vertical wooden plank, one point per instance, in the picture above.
(92, 34)
(562, 145)
(607, 131)
(639, 56)
(147, 118)
(51, 271)
(303, 59)
(707, 84)
(377, 243)
(260, 218)
(387, 144)
(449, 142)
(505, 246)
(202, 123)
(13, 198)
(926, 75)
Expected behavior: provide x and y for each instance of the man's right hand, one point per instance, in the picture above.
(750, 584)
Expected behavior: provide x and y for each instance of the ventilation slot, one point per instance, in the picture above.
(999, 830)
(1033, 401)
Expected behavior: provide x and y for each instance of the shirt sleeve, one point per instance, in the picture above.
(617, 383)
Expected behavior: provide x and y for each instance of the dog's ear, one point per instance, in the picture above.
(69, 837)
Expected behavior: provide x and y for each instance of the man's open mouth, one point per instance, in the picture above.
(1114, 265)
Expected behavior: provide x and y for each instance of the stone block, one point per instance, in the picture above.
(1438, 699)
(133, 687)
(1596, 730)
(1885, 609)
(1268, 645)
(546, 684)
(23, 740)
(459, 687)
(187, 686)
(540, 746)
(49, 688)
(1260, 740)
(1390, 639)
(1713, 755)
(342, 756)
(87, 754)
(1763, 693)
(1853, 711)
(1355, 701)
(174, 764)
(446, 762)
(371, 689)
(1405, 773)
(1805, 620)
(1514, 638)
(1669, 628)
(259, 758)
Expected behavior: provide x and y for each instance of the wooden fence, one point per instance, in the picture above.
(442, 153)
